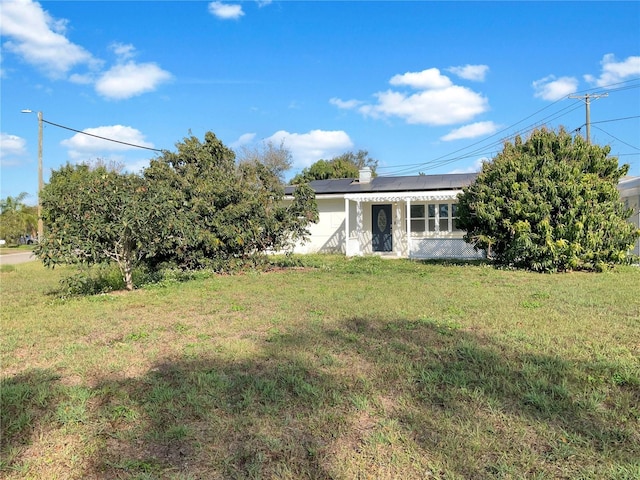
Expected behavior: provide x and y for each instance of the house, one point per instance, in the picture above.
(412, 216)
(629, 188)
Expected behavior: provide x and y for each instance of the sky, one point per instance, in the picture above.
(424, 87)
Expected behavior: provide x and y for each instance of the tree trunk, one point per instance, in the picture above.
(127, 266)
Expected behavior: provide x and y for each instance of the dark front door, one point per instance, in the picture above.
(381, 240)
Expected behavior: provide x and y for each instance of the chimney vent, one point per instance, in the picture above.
(365, 175)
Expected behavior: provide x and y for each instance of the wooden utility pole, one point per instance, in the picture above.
(587, 102)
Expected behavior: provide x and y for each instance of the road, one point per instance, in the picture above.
(15, 258)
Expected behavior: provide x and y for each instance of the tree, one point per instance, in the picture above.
(17, 218)
(193, 208)
(549, 203)
(229, 211)
(93, 215)
(347, 165)
(275, 158)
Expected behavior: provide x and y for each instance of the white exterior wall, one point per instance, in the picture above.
(327, 236)
(633, 202)
(629, 188)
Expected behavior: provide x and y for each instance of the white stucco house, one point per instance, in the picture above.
(411, 216)
(629, 188)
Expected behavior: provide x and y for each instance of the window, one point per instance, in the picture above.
(417, 218)
(443, 223)
(434, 218)
(454, 217)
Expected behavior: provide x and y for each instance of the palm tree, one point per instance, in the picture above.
(17, 218)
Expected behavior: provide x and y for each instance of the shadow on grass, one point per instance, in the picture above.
(357, 399)
(27, 401)
(456, 262)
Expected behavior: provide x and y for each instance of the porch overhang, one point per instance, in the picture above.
(353, 245)
(403, 196)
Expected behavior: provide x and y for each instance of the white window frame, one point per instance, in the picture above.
(432, 222)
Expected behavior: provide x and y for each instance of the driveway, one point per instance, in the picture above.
(15, 258)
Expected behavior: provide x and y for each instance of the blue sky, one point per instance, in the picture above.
(429, 87)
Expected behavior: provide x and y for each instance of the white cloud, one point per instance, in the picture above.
(84, 147)
(136, 166)
(615, 72)
(476, 167)
(345, 104)
(473, 130)
(307, 148)
(552, 88)
(40, 39)
(443, 106)
(426, 79)
(12, 148)
(130, 79)
(244, 139)
(470, 72)
(225, 11)
(437, 102)
(123, 51)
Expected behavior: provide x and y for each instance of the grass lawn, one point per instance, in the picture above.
(347, 369)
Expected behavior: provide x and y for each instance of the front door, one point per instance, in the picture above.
(381, 239)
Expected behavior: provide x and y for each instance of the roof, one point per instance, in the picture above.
(414, 183)
(629, 186)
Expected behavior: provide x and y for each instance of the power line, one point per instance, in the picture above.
(621, 141)
(616, 119)
(102, 138)
(443, 160)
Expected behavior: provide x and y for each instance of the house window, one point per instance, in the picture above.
(434, 218)
(443, 219)
(431, 209)
(418, 219)
(454, 217)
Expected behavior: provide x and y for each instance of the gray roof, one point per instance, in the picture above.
(629, 186)
(414, 183)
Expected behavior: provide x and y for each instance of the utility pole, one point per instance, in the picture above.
(40, 180)
(587, 102)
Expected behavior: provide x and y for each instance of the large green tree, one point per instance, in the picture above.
(549, 203)
(95, 215)
(347, 165)
(17, 218)
(229, 210)
(192, 208)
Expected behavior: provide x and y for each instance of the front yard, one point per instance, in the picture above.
(343, 369)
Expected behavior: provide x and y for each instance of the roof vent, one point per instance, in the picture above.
(365, 175)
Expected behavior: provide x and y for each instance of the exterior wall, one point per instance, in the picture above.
(629, 188)
(327, 236)
(633, 202)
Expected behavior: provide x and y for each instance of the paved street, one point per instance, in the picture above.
(15, 258)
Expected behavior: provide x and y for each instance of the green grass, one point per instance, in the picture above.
(337, 368)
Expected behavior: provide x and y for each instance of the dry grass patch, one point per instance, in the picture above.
(358, 368)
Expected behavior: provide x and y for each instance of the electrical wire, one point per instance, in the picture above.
(612, 136)
(102, 138)
(443, 160)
